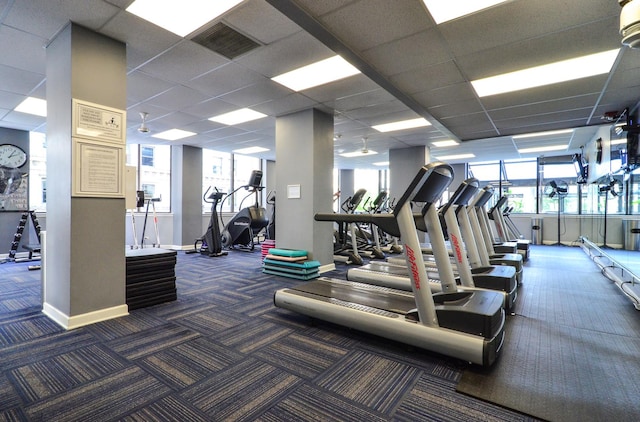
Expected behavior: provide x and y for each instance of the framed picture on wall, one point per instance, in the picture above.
(13, 189)
(13, 178)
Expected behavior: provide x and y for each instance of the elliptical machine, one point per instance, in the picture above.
(210, 243)
(247, 223)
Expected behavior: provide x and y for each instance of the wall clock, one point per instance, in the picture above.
(12, 156)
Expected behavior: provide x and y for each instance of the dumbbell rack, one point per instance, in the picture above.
(17, 237)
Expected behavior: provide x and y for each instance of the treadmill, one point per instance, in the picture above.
(395, 275)
(482, 232)
(465, 325)
(504, 231)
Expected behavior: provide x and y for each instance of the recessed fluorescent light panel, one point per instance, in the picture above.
(180, 17)
(543, 149)
(540, 134)
(447, 143)
(446, 10)
(401, 125)
(455, 157)
(239, 116)
(32, 105)
(358, 153)
(250, 150)
(318, 73)
(381, 164)
(618, 141)
(173, 134)
(562, 71)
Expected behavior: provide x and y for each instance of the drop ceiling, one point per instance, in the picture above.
(410, 67)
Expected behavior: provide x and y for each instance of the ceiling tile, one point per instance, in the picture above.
(425, 48)
(15, 43)
(254, 94)
(225, 79)
(392, 21)
(45, 18)
(177, 98)
(428, 78)
(273, 24)
(182, 62)
(19, 81)
(290, 53)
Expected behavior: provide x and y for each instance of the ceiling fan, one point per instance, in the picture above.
(364, 150)
(556, 188)
(143, 126)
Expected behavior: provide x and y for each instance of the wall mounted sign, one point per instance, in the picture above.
(98, 122)
(99, 141)
(98, 170)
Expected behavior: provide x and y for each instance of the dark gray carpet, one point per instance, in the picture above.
(221, 352)
(571, 353)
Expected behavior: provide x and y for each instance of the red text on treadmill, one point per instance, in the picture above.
(414, 267)
(456, 247)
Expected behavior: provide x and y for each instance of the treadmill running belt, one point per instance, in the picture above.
(372, 296)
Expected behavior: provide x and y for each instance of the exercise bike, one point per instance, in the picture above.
(210, 244)
(248, 222)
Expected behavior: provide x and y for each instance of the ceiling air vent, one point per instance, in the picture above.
(225, 41)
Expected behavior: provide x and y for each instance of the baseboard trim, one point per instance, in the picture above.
(77, 321)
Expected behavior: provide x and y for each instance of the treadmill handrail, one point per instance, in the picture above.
(463, 193)
(483, 196)
(386, 222)
(498, 204)
(439, 174)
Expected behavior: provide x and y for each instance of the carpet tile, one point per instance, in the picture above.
(23, 329)
(43, 347)
(370, 380)
(308, 403)
(13, 415)
(59, 373)
(189, 362)
(301, 355)
(151, 341)
(8, 396)
(212, 321)
(241, 392)
(129, 388)
(220, 352)
(120, 327)
(252, 335)
(167, 409)
(179, 308)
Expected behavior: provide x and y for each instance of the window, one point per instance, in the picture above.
(132, 154)
(146, 154)
(559, 174)
(336, 190)
(485, 172)
(243, 166)
(149, 190)
(520, 185)
(216, 174)
(37, 172)
(154, 172)
(634, 192)
(369, 180)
